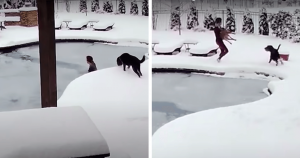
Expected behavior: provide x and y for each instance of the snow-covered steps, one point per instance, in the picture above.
(168, 48)
(103, 26)
(78, 24)
(203, 50)
(50, 132)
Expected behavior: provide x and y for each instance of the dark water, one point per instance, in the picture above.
(176, 95)
(19, 72)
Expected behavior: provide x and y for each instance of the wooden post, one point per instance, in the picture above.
(47, 53)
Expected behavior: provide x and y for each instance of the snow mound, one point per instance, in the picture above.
(58, 23)
(50, 132)
(167, 47)
(12, 18)
(78, 23)
(201, 48)
(103, 25)
(117, 102)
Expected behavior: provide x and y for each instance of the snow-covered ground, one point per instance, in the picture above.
(266, 128)
(127, 29)
(116, 101)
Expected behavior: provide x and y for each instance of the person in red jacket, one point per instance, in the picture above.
(219, 39)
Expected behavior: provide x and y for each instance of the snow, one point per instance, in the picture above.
(37, 133)
(201, 48)
(12, 18)
(264, 128)
(117, 103)
(58, 23)
(78, 23)
(28, 9)
(9, 11)
(124, 32)
(102, 25)
(168, 47)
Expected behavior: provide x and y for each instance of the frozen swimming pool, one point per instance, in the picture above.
(20, 79)
(175, 95)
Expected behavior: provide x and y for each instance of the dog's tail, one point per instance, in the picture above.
(143, 59)
(278, 47)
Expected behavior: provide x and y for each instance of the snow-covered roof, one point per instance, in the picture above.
(9, 11)
(28, 8)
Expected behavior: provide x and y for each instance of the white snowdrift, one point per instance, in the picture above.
(58, 23)
(78, 23)
(168, 47)
(117, 102)
(201, 48)
(268, 128)
(49, 132)
(102, 25)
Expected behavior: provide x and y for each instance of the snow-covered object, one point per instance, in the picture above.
(103, 25)
(78, 23)
(58, 23)
(9, 11)
(117, 103)
(202, 48)
(28, 8)
(12, 18)
(167, 47)
(50, 132)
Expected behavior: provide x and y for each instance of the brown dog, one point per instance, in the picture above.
(225, 34)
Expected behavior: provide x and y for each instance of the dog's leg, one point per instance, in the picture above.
(139, 70)
(124, 67)
(281, 61)
(128, 67)
(135, 70)
(276, 62)
(270, 60)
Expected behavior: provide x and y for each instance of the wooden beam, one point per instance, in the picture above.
(47, 53)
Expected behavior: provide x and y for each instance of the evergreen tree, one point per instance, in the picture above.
(175, 19)
(145, 8)
(20, 3)
(33, 3)
(297, 36)
(7, 4)
(263, 23)
(134, 9)
(95, 5)
(121, 7)
(248, 25)
(82, 7)
(230, 20)
(192, 20)
(283, 26)
(108, 6)
(209, 22)
(68, 5)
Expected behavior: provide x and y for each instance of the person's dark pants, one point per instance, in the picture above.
(223, 49)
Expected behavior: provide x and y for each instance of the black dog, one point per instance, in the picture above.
(129, 60)
(274, 54)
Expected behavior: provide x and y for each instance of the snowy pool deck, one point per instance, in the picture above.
(265, 128)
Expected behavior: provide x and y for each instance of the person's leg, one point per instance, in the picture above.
(224, 50)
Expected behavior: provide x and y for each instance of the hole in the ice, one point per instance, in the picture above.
(177, 94)
(19, 70)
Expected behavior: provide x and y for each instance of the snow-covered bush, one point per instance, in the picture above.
(192, 19)
(134, 9)
(248, 25)
(263, 23)
(297, 36)
(95, 5)
(68, 4)
(230, 20)
(82, 6)
(145, 8)
(10, 4)
(108, 6)
(175, 19)
(121, 7)
(209, 19)
(20, 3)
(283, 26)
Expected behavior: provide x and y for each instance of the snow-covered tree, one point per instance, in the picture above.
(283, 26)
(209, 19)
(175, 19)
(134, 9)
(297, 36)
(108, 6)
(230, 20)
(20, 3)
(248, 25)
(121, 7)
(145, 8)
(10, 4)
(263, 23)
(68, 5)
(192, 19)
(95, 5)
(82, 6)
(33, 3)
